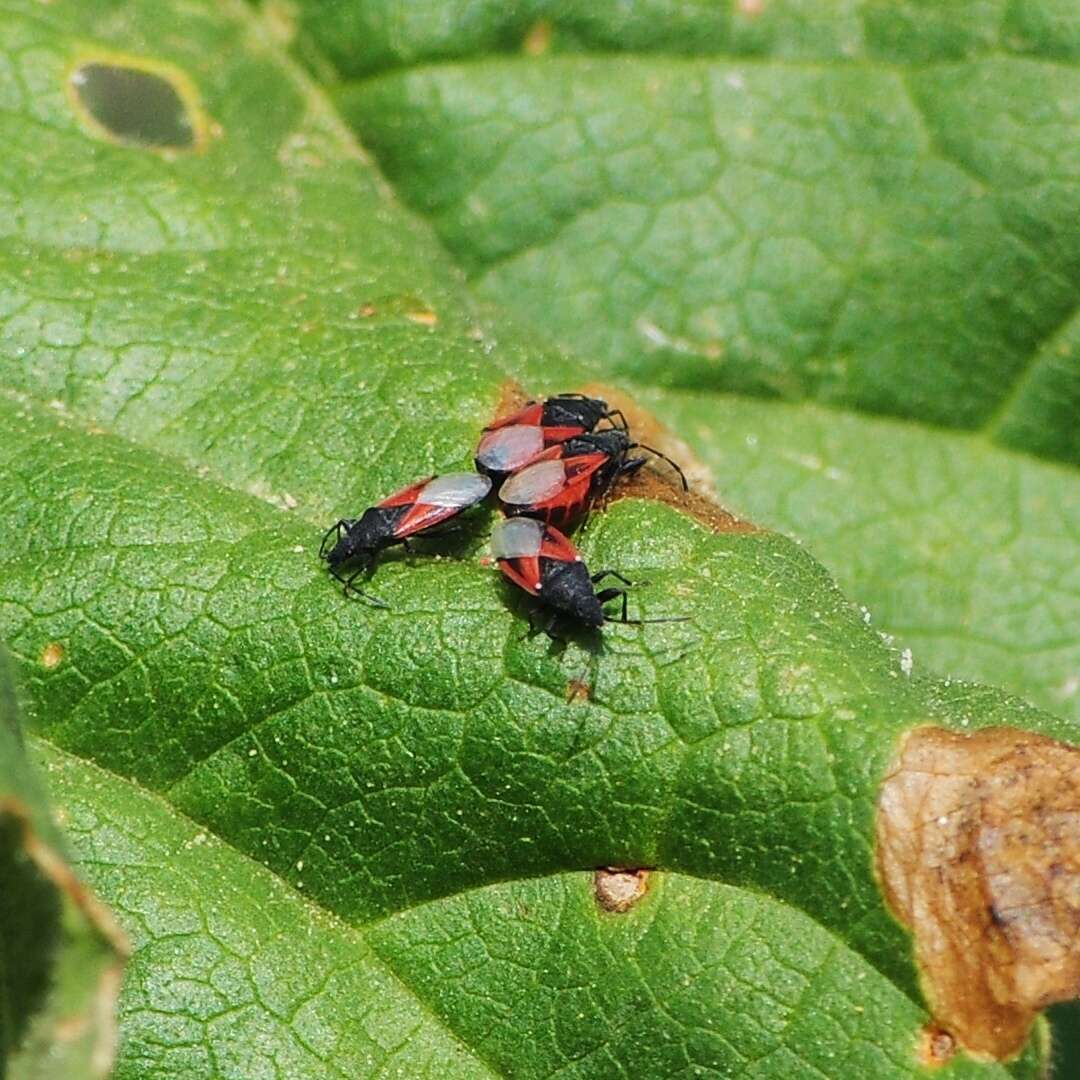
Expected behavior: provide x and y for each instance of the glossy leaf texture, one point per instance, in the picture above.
(868, 209)
(352, 842)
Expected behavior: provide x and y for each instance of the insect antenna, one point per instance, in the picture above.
(660, 454)
(335, 531)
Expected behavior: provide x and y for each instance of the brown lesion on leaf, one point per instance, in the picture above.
(577, 690)
(102, 1014)
(52, 655)
(618, 889)
(537, 40)
(978, 852)
(658, 482)
(936, 1047)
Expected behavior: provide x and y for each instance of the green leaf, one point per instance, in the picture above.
(327, 827)
(60, 954)
(965, 552)
(886, 226)
(768, 228)
(903, 195)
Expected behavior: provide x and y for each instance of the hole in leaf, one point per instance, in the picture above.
(136, 105)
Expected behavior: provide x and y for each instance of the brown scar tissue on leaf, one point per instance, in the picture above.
(618, 889)
(978, 852)
(936, 1047)
(578, 690)
(658, 483)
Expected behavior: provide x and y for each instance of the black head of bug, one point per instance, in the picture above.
(360, 539)
(567, 588)
(580, 410)
(614, 442)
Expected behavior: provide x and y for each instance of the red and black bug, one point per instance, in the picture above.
(513, 441)
(539, 559)
(413, 511)
(562, 482)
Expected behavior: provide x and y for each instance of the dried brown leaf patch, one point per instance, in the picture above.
(978, 851)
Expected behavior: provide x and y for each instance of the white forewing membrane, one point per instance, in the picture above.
(455, 490)
(535, 483)
(509, 448)
(517, 538)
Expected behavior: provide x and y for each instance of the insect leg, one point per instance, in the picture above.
(623, 425)
(610, 594)
(350, 585)
(601, 574)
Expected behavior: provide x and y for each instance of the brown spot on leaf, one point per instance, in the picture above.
(52, 655)
(578, 690)
(978, 851)
(618, 889)
(537, 39)
(511, 399)
(936, 1047)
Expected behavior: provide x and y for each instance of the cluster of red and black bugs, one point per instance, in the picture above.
(549, 466)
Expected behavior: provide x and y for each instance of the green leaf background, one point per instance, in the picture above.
(356, 843)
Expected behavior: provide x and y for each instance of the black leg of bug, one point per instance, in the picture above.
(604, 595)
(542, 620)
(622, 425)
(601, 574)
(351, 588)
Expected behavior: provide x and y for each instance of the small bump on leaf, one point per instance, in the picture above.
(578, 690)
(52, 655)
(537, 40)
